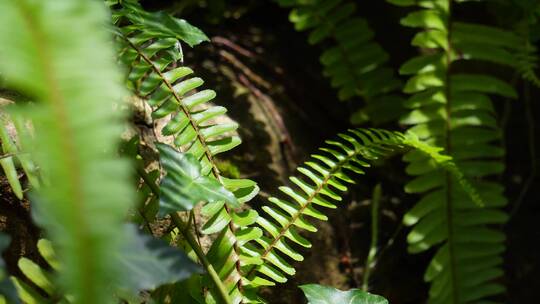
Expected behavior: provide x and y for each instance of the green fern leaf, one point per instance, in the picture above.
(454, 111)
(355, 64)
(323, 181)
(86, 192)
(168, 89)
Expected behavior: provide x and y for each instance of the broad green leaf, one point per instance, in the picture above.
(319, 294)
(163, 25)
(152, 262)
(184, 186)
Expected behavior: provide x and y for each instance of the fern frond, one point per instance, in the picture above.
(453, 110)
(527, 64)
(355, 63)
(323, 181)
(59, 56)
(172, 93)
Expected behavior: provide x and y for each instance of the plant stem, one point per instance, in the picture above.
(184, 229)
(375, 200)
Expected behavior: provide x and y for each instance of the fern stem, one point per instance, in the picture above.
(448, 148)
(184, 229)
(375, 202)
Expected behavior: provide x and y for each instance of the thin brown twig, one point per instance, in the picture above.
(234, 46)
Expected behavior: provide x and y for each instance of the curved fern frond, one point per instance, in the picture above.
(323, 181)
(355, 63)
(59, 56)
(453, 110)
(527, 56)
(191, 120)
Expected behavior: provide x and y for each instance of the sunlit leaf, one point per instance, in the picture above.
(319, 294)
(184, 185)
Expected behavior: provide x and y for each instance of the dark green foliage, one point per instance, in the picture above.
(354, 62)
(453, 110)
(152, 262)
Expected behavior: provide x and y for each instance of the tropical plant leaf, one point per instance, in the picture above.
(152, 262)
(162, 25)
(184, 185)
(319, 294)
